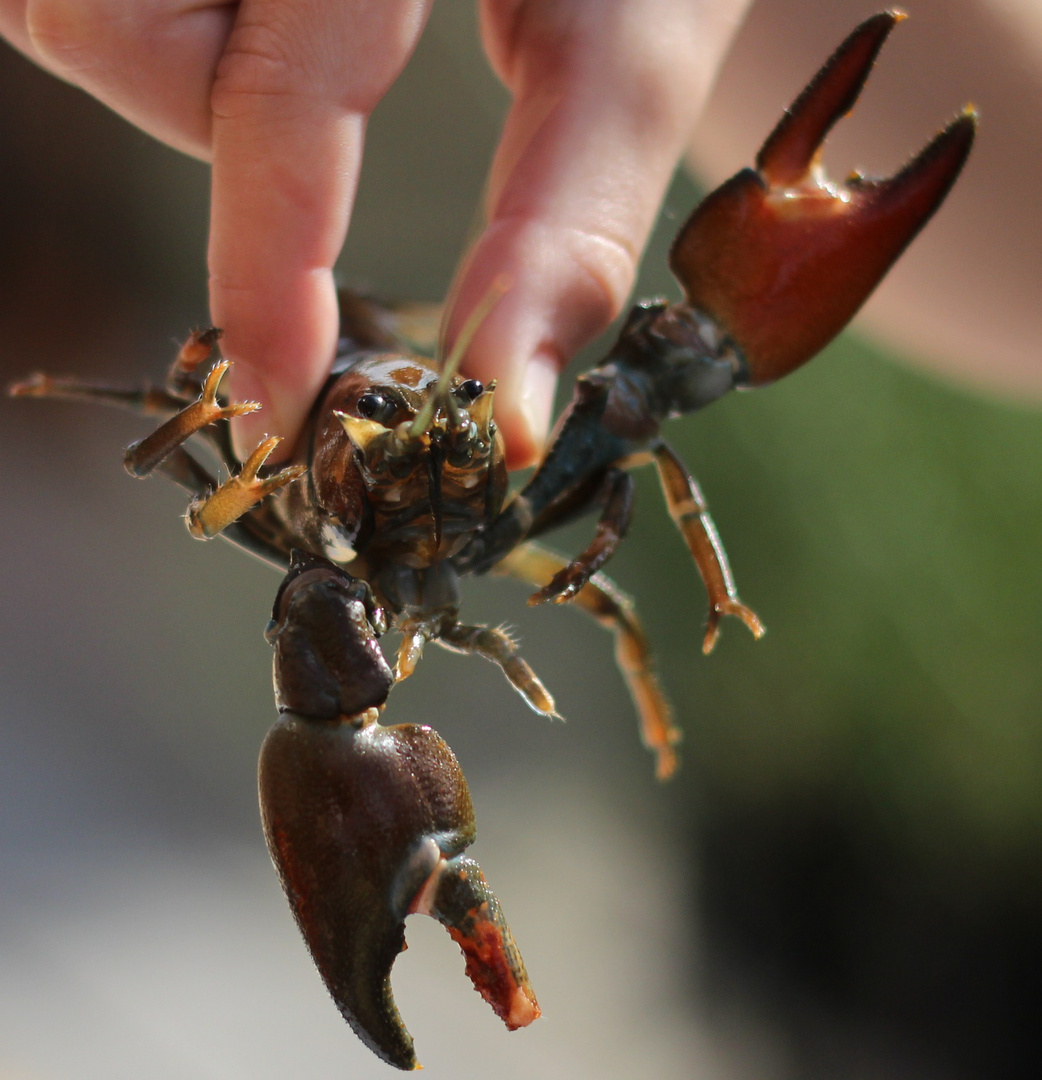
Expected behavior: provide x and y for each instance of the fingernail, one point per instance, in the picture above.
(537, 395)
(247, 431)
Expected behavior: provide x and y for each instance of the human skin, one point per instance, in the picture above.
(276, 95)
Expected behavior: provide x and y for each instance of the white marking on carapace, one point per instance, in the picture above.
(335, 546)
(406, 370)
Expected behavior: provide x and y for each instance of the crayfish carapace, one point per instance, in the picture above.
(397, 490)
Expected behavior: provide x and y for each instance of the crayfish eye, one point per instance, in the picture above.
(376, 407)
(471, 390)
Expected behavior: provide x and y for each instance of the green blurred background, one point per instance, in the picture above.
(844, 879)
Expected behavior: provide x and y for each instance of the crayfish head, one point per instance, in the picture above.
(780, 255)
(421, 449)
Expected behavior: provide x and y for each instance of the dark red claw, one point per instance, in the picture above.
(781, 257)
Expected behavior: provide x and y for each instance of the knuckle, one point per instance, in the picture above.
(604, 268)
(259, 66)
(66, 33)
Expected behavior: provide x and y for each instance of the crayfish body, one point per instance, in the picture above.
(398, 489)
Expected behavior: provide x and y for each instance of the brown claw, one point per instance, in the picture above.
(367, 824)
(781, 256)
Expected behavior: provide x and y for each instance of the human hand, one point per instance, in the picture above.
(276, 95)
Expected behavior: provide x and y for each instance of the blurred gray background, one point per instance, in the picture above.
(842, 882)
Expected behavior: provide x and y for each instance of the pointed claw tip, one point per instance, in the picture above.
(789, 151)
(523, 1009)
(966, 122)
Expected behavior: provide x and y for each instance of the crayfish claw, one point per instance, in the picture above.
(780, 256)
(366, 825)
(730, 606)
(562, 586)
(793, 147)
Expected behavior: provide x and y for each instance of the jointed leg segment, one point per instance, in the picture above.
(611, 528)
(687, 507)
(143, 456)
(614, 611)
(499, 647)
(214, 507)
(240, 493)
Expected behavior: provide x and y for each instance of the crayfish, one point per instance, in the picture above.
(398, 488)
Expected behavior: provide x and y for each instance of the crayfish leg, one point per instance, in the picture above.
(611, 528)
(415, 635)
(212, 511)
(499, 647)
(614, 611)
(143, 456)
(687, 507)
(240, 493)
(255, 532)
(147, 400)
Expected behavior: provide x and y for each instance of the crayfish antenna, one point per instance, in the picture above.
(441, 398)
(781, 256)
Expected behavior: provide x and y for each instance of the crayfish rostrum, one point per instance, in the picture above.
(398, 489)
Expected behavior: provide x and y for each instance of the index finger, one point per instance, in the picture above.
(293, 90)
